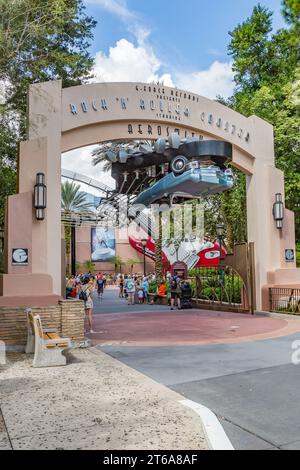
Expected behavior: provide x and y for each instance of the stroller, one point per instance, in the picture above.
(186, 294)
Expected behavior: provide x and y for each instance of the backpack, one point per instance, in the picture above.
(173, 284)
(129, 285)
(83, 295)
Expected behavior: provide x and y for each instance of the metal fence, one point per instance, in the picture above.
(220, 286)
(284, 300)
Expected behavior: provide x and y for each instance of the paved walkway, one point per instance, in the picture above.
(239, 366)
(115, 322)
(95, 402)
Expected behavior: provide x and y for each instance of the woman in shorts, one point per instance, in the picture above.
(87, 293)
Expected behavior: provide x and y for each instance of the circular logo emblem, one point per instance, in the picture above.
(289, 255)
(20, 255)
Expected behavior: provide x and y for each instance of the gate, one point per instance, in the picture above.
(231, 285)
(284, 300)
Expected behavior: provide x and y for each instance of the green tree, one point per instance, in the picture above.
(267, 77)
(158, 247)
(78, 266)
(249, 48)
(117, 261)
(131, 262)
(8, 179)
(40, 40)
(229, 208)
(89, 266)
(291, 11)
(73, 201)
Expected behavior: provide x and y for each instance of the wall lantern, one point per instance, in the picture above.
(278, 210)
(40, 196)
(220, 228)
(177, 244)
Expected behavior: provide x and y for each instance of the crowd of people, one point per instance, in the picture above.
(133, 288)
(136, 289)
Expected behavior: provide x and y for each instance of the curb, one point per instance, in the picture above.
(213, 430)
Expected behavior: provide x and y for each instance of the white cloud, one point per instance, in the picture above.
(126, 62)
(80, 161)
(216, 80)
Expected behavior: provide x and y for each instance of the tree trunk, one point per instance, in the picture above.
(68, 249)
(225, 213)
(158, 249)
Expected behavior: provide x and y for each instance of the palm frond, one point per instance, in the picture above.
(72, 199)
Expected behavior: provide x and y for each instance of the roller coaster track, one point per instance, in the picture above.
(114, 199)
(86, 180)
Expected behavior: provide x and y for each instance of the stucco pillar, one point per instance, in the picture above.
(269, 242)
(38, 281)
(42, 152)
(261, 189)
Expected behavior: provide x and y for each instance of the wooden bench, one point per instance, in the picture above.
(46, 344)
(162, 300)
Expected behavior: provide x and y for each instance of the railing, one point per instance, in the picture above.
(284, 300)
(220, 286)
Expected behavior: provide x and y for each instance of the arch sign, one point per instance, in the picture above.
(65, 119)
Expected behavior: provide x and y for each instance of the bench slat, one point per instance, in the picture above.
(53, 336)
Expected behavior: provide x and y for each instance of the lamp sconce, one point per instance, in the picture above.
(220, 229)
(177, 244)
(40, 196)
(278, 211)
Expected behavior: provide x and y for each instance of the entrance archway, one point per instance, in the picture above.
(64, 119)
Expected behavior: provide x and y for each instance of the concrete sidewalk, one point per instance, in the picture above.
(95, 402)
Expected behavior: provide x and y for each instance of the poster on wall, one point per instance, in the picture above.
(103, 243)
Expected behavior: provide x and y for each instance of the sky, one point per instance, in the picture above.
(180, 42)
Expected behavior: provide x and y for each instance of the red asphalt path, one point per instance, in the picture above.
(186, 327)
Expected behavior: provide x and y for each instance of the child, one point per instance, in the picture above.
(141, 294)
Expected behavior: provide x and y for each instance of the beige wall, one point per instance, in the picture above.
(67, 317)
(123, 249)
